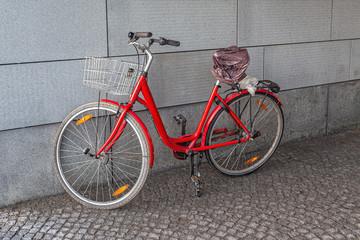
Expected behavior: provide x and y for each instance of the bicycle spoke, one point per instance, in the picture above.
(120, 163)
(82, 164)
(228, 157)
(71, 151)
(239, 156)
(74, 147)
(127, 159)
(267, 119)
(126, 145)
(126, 174)
(224, 152)
(81, 174)
(73, 142)
(73, 163)
(80, 137)
(89, 182)
(129, 153)
(84, 128)
(132, 147)
(103, 130)
(88, 141)
(70, 156)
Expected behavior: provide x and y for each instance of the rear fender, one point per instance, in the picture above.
(142, 125)
(226, 100)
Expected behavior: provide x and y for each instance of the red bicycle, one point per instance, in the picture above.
(103, 150)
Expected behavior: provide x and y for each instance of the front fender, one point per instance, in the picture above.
(142, 125)
(226, 100)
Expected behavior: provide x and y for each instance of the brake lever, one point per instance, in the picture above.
(137, 45)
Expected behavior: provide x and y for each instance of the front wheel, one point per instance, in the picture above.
(107, 181)
(263, 117)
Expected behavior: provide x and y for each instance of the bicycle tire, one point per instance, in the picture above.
(109, 181)
(246, 157)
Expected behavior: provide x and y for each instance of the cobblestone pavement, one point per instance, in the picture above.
(307, 190)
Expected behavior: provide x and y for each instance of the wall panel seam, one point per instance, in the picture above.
(331, 18)
(237, 22)
(186, 51)
(350, 60)
(107, 28)
(327, 109)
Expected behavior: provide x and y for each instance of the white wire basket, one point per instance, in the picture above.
(111, 76)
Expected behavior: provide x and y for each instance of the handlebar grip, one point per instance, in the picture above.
(163, 41)
(143, 34)
(173, 43)
(138, 35)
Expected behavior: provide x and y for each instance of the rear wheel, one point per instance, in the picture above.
(108, 181)
(263, 117)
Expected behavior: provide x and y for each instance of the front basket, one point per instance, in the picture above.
(111, 76)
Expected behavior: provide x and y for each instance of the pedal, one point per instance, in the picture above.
(181, 120)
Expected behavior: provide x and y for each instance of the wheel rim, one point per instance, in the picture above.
(106, 180)
(246, 157)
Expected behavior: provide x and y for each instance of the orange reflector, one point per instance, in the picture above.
(120, 190)
(252, 160)
(262, 105)
(84, 119)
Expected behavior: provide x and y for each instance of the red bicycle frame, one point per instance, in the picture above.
(173, 143)
(176, 144)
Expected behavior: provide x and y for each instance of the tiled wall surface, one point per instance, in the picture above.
(311, 48)
(295, 43)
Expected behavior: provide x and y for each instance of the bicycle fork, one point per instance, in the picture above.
(117, 131)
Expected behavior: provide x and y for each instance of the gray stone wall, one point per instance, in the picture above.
(311, 48)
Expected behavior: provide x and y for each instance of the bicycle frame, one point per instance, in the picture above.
(176, 144)
(173, 143)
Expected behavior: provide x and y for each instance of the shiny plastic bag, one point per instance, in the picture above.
(230, 64)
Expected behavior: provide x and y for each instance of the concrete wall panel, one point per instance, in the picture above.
(27, 170)
(303, 65)
(41, 93)
(345, 19)
(264, 22)
(204, 24)
(355, 60)
(304, 113)
(51, 30)
(344, 106)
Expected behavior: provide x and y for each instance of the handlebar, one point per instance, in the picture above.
(162, 41)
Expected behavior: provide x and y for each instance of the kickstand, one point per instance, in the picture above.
(195, 178)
